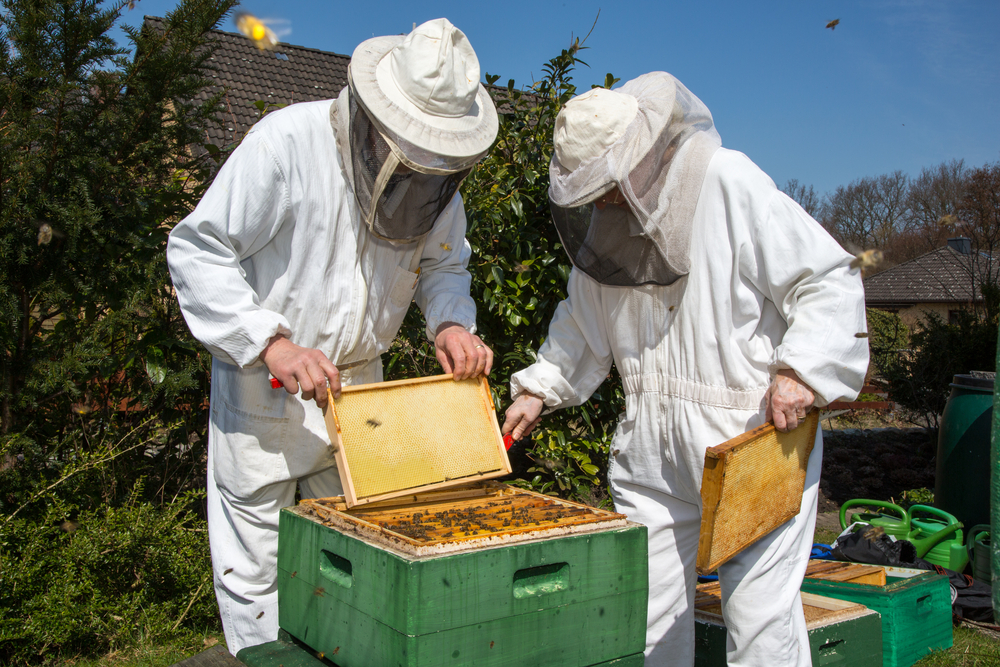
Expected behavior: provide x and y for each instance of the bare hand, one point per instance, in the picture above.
(788, 400)
(460, 353)
(523, 415)
(301, 368)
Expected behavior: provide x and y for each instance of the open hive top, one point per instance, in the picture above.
(473, 516)
(818, 610)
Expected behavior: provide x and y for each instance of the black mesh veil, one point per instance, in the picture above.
(398, 199)
(609, 246)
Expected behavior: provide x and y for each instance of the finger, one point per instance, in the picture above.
(331, 378)
(481, 358)
(780, 421)
(459, 360)
(791, 420)
(291, 386)
(523, 426)
(317, 374)
(489, 360)
(444, 360)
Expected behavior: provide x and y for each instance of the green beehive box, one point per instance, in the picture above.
(840, 633)
(915, 606)
(286, 651)
(558, 584)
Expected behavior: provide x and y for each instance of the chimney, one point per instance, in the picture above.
(961, 245)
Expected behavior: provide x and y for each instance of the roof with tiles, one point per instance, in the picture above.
(285, 75)
(944, 275)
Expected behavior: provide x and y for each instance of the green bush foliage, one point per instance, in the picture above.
(519, 273)
(102, 389)
(919, 377)
(887, 337)
(111, 577)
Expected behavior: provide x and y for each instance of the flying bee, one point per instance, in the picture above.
(256, 31)
(446, 247)
(866, 259)
(832, 25)
(947, 220)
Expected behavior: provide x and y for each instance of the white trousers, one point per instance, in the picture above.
(243, 535)
(761, 601)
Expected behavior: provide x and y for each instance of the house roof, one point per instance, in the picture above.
(282, 76)
(944, 275)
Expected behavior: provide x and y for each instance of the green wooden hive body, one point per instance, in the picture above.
(575, 600)
(916, 612)
(286, 651)
(855, 642)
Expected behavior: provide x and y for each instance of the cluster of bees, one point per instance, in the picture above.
(493, 517)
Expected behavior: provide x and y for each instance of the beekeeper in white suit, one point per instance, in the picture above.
(303, 257)
(723, 304)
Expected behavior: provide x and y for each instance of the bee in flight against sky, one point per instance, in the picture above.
(866, 259)
(256, 31)
(832, 25)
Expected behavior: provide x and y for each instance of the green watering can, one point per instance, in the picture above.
(979, 553)
(938, 538)
(895, 523)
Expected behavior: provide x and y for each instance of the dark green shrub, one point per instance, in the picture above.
(919, 378)
(106, 579)
(887, 336)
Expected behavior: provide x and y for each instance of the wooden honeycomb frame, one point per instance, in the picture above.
(391, 438)
(751, 485)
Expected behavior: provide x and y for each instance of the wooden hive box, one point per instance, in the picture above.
(751, 485)
(483, 575)
(915, 606)
(840, 632)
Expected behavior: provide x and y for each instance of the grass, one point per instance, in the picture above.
(972, 648)
(154, 656)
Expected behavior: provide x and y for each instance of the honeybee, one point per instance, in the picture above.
(256, 31)
(832, 25)
(866, 259)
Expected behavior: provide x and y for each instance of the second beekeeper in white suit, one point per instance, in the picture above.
(723, 304)
(304, 256)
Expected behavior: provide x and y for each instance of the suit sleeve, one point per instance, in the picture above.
(807, 276)
(576, 357)
(242, 210)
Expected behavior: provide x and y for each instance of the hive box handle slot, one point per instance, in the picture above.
(541, 580)
(336, 569)
(828, 653)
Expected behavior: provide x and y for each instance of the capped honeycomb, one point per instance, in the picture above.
(408, 434)
(751, 485)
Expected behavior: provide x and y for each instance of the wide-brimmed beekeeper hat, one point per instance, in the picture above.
(423, 90)
(653, 140)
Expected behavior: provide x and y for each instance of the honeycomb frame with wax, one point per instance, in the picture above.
(751, 485)
(391, 438)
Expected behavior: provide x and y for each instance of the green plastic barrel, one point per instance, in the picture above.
(962, 481)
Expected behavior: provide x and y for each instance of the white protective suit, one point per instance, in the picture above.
(768, 289)
(277, 245)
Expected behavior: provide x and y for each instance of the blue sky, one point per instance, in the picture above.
(899, 84)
